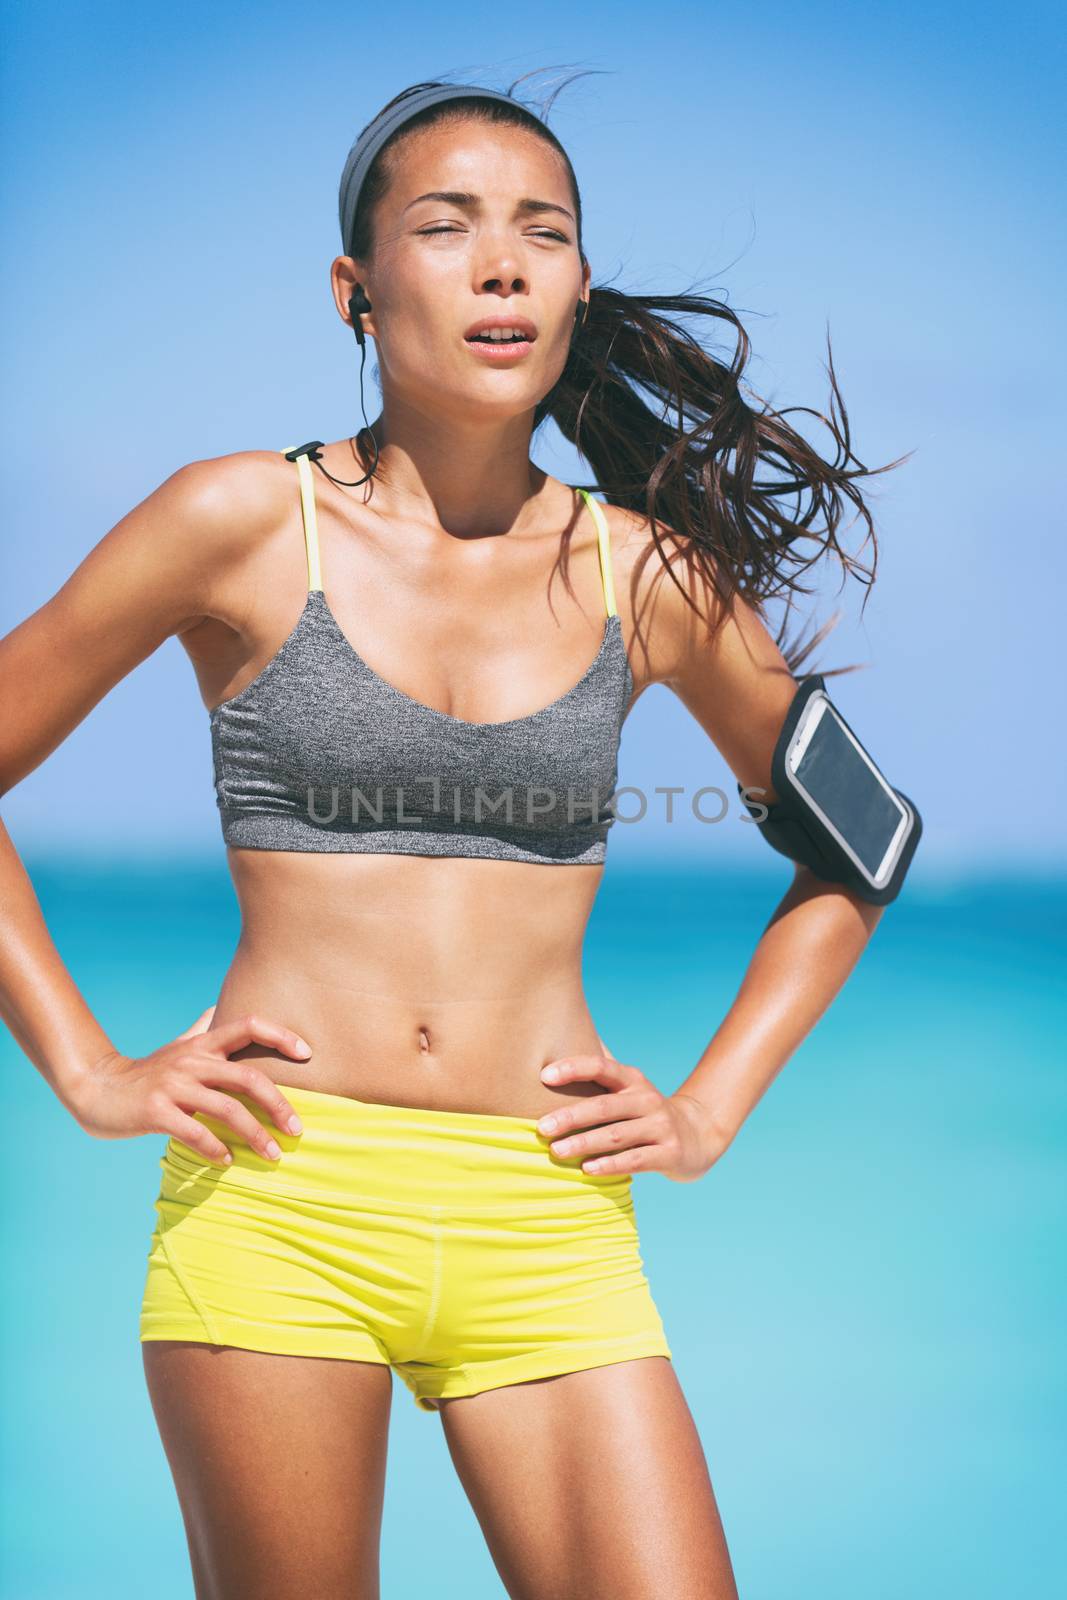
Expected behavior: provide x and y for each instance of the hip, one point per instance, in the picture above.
(403, 1159)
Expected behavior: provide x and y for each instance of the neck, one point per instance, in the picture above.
(468, 479)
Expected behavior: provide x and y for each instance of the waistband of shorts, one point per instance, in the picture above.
(406, 1158)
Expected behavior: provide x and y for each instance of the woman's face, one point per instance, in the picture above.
(478, 224)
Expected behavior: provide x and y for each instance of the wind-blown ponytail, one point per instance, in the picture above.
(666, 428)
(693, 460)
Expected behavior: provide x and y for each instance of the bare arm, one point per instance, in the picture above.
(152, 576)
(739, 689)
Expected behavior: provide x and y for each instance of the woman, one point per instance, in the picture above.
(397, 1139)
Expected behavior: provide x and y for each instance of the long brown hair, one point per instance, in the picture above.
(666, 429)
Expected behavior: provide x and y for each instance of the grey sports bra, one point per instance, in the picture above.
(319, 752)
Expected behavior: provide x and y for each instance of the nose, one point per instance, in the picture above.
(515, 284)
(499, 269)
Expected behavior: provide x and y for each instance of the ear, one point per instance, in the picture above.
(345, 273)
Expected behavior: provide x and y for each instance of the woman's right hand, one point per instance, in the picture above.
(124, 1096)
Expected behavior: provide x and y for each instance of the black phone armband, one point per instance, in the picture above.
(836, 813)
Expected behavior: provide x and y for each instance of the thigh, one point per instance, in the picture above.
(592, 1482)
(279, 1466)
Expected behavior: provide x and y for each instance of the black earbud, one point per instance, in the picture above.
(358, 303)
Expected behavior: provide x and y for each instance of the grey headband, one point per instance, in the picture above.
(382, 128)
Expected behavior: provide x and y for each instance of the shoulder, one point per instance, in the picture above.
(665, 589)
(639, 550)
(226, 499)
(214, 515)
(167, 566)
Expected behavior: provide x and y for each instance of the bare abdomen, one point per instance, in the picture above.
(416, 980)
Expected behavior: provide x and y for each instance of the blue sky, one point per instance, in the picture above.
(169, 203)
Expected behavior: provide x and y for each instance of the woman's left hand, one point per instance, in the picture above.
(632, 1128)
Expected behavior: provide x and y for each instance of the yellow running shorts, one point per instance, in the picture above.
(452, 1246)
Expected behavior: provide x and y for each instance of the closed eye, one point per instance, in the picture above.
(541, 233)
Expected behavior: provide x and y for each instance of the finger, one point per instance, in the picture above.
(642, 1158)
(201, 1025)
(194, 1136)
(611, 1139)
(591, 1109)
(230, 1113)
(254, 1029)
(597, 1069)
(244, 1077)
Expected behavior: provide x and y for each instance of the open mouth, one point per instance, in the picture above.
(499, 337)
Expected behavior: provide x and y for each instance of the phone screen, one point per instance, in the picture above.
(839, 780)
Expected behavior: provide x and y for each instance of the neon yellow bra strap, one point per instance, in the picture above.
(311, 532)
(311, 526)
(604, 541)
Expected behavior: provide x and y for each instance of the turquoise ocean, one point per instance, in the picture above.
(864, 1297)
